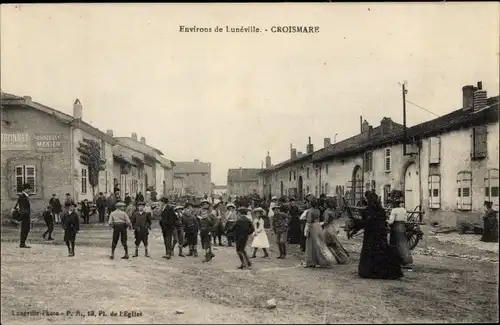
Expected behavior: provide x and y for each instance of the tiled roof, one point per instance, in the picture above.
(452, 121)
(191, 167)
(139, 146)
(243, 174)
(286, 163)
(166, 162)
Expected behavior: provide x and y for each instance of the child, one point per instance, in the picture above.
(49, 221)
(85, 211)
(71, 225)
(230, 218)
(191, 226)
(241, 230)
(206, 229)
(260, 237)
(120, 222)
(141, 222)
(280, 228)
(178, 230)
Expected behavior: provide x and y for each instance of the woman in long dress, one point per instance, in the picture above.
(330, 233)
(260, 239)
(377, 260)
(397, 222)
(317, 253)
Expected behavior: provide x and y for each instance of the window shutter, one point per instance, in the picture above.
(480, 148)
(491, 183)
(434, 191)
(434, 150)
(30, 178)
(387, 160)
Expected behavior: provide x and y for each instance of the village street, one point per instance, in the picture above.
(185, 290)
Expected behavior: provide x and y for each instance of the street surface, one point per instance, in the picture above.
(185, 290)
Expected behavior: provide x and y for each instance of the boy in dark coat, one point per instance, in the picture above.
(280, 228)
(191, 226)
(101, 206)
(48, 217)
(241, 230)
(71, 225)
(178, 230)
(56, 208)
(141, 223)
(207, 225)
(167, 225)
(85, 211)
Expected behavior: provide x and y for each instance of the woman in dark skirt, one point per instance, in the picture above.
(377, 260)
(71, 225)
(398, 241)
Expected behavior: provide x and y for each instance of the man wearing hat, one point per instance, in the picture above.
(191, 226)
(141, 222)
(241, 230)
(24, 207)
(119, 221)
(280, 228)
(218, 228)
(167, 224)
(230, 218)
(71, 225)
(294, 233)
(490, 230)
(207, 224)
(178, 237)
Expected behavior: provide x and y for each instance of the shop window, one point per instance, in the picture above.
(434, 150)
(84, 180)
(479, 142)
(387, 160)
(464, 190)
(26, 174)
(491, 187)
(434, 191)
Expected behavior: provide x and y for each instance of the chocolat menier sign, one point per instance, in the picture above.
(38, 142)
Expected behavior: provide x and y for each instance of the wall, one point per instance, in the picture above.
(201, 184)
(243, 188)
(169, 179)
(148, 170)
(159, 179)
(78, 194)
(178, 186)
(53, 169)
(455, 157)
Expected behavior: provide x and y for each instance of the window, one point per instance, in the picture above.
(326, 169)
(387, 190)
(374, 186)
(316, 191)
(434, 191)
(368, 161)
(491, 187)
(322, 189)
(307, 172)
(327, 189)
(26, 174)
(387, 160)
(84, 180)
(479, 142)
(290, 176)
(434, 150)
(103, 149)
(294, 175)
(464, 191)
(317, 172)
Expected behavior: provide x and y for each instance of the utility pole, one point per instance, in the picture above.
(404, 92)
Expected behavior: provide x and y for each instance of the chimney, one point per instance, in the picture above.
(365, 126)
(268, 160)
(468, 97)
(196, 161)
(327, 142)
(291, 149)
(360, 124)
(294, 153)
(27, 99)
(310, 147)
(109, 132)
(134, 136)
(77, 109)
(143, 140)
(300, 154)
(386, 125)
(480, 97)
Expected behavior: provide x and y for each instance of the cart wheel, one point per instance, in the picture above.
(413, 239)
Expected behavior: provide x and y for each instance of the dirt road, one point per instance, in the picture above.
(185, 290)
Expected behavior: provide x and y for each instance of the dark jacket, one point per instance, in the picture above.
(48, 217)
(70, 221)
(242, 228)
(139, 198)
(168, 217)
(141, 220)
(85, 208)
(280, 222)
(207, 224)
(190, 223)
(128, 200)
(101, 203)
(24, 207)
(55, 204)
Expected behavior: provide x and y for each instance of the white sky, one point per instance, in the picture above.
(229, 98)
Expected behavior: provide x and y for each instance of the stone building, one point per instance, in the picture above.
(447, 168)
(243, 181)
(178, 185)
(219, 190)
(196, 177)
(39, 147)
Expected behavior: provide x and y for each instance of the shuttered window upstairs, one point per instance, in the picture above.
(434, 150)
(479, 142)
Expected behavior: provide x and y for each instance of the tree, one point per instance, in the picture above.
(90, 156)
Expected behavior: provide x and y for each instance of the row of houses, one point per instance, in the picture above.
(41, 146)
(447, 166)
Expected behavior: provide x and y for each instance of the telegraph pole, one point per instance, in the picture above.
(404, 92)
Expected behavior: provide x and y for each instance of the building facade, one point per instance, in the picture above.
(39, 147)
(447, 167)
(243, 181)
(196, 177)
(219, 190)
(179, 186)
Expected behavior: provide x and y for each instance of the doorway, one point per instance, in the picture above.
(412, 188)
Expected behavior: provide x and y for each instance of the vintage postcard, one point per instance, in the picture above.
(226, 163)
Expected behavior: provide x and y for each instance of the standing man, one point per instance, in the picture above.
(56, 207)
(242, 229)
(120, 222)
(167, 225)
(178, 230)
(101, 206)
(141, 222)
(23, 204)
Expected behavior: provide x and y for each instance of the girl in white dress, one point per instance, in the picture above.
(260, 237)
